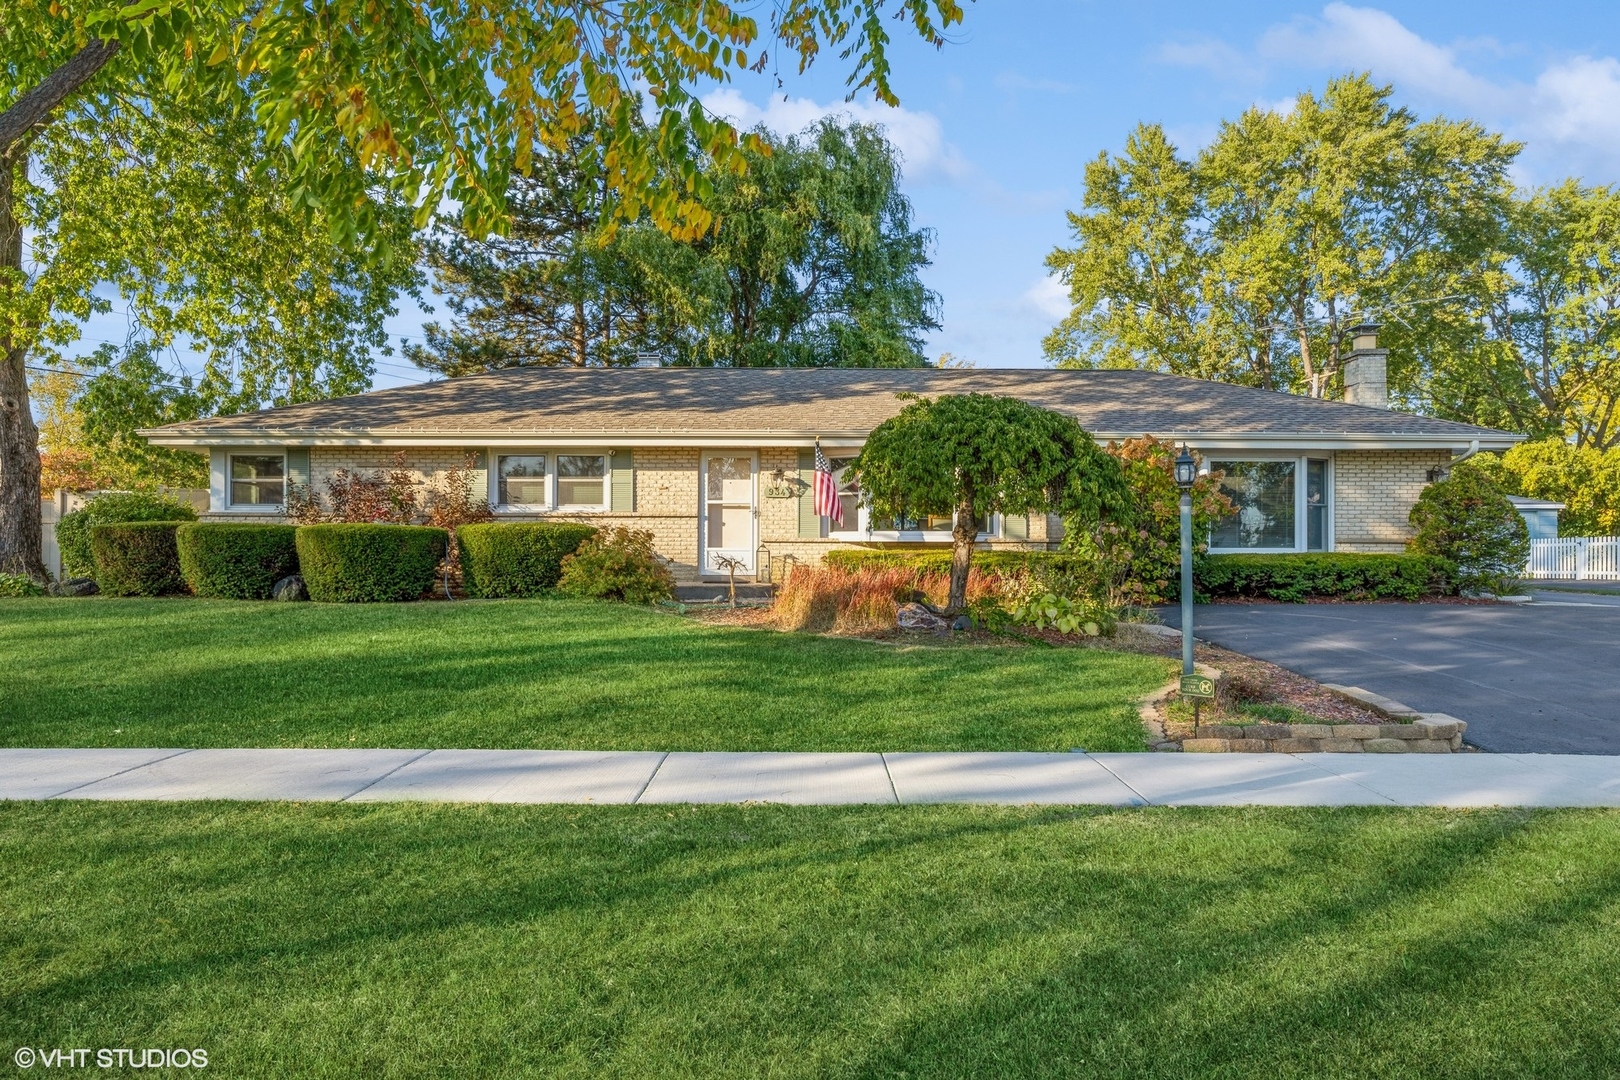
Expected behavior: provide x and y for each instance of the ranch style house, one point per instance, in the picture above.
(717, 462)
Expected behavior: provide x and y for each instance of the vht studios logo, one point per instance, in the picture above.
(109, 1057)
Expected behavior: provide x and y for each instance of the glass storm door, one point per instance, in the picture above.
(727, 525)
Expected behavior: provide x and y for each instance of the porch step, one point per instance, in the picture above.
(699, 592)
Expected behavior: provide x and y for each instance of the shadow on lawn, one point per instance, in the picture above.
(960, 942)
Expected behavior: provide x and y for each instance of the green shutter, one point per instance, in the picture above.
(1015, 527)
(298, 465)
(809, 523)
(623, 495)
(480, 476)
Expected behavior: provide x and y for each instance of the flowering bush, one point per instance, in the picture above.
(375, 498)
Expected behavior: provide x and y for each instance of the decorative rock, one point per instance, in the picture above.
(1387, 746)
(962, 622)
(917, 617)
(1206, 746)
(290, 587)
(74, 586)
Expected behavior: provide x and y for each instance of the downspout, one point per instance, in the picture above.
(1441, 472)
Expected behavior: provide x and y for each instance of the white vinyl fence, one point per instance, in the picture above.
(1575, 558)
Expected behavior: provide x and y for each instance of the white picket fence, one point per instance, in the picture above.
(1575, 558)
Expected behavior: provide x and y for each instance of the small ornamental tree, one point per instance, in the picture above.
(1467, 523)
(973, 455)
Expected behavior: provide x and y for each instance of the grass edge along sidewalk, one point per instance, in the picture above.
(748, 941)
(550, 674)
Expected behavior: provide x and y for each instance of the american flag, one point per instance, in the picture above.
(826, 490)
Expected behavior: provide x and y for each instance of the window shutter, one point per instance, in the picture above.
(809, 522)
(298, 465)
(1015, 526)
(623, 466)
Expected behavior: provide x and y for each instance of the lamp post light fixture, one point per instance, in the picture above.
(1186, 475)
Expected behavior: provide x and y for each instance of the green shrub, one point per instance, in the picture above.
(352, 563)
(1315, 574)
(516, 559)
(137, 558)
(235, 560)
(16, 585)
(1468, 524)
(111, 508)
(618, 564)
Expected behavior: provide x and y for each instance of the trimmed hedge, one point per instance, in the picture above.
(137, 558)
(110, 508)
(344, 564)
(937, 561)
(231, 560)
(1317, 574)
(515, 559)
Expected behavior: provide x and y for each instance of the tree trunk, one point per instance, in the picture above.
(20, 526)
(19, 438)
(963, 533)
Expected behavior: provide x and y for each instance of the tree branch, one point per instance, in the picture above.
(34, 108)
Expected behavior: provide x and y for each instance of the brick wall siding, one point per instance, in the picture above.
(1374, 491)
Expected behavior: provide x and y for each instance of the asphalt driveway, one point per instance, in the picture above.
(1542, 677)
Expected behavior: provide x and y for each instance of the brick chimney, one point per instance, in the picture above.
(1366, 368)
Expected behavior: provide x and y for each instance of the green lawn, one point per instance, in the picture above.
(546, 673)
(416, 939)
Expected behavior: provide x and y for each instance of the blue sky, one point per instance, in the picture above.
(997, 127)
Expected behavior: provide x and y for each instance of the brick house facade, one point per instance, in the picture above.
(717, 462)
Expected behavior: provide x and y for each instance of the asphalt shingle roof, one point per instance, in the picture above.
(725, 401)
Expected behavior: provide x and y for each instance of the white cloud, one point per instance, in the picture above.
(919, 136)
(1368, 38)
(1048, 297)
(1569, 115)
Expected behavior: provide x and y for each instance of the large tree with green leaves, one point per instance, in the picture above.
(973, 455)
(814, 261)
(362, 105)
(1250, 262)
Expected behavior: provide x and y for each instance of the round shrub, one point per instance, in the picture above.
(110, 508)
(234, 560)
(137, 558)
(368, 563)
(1468, 524)
(516, 559)
(618, 564)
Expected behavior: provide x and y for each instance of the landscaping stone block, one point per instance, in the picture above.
(1456, 743)
(1428, 746)
(1342, 746)
(1401, 731)
(1220, 731)
(1439, 725)
(1269, 731)
(1296, 746)
(1206, 746)
(1312, 731)
(1355, 731)
(1386, 746)
(1247, 746)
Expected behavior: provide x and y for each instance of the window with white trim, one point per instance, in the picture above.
(582, 481)
(521, 482)
(860, 523)
(1281, 504)
(256, 481)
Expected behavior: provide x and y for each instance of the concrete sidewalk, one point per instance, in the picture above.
(623, 777)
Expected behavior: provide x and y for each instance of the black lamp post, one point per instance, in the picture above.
(1186, 474)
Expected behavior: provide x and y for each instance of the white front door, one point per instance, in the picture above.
(727, 523)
